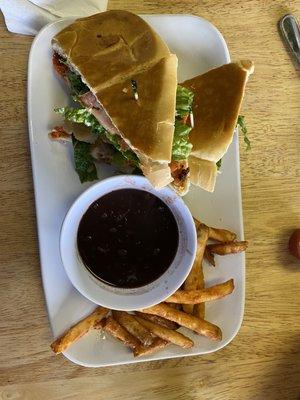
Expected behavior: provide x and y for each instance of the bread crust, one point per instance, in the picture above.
(203, 173)
(218, 95)
(109, 47)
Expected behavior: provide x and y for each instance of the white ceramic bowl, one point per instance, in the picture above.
(119, 298)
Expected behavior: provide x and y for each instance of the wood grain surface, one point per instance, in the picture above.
(263, 360)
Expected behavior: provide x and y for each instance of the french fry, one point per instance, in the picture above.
(221, 235)
(113, 327)
(100, 324)
(217, 234)
(199, 309)
(132, 325)
(158, 320)
(167, 334)
(174, 306)
(209, 256)
(223, 249)
(200, 296)
(197, 223)
(78, 330)
(192, 280)
(157, 345)
(198, 325)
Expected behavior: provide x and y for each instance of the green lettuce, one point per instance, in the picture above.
(84, 164)
(184, 101)
(83, 116)
(77, 86)
(181, 146)
(241, 123)
(121, 164)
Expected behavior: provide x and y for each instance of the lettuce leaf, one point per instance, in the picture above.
(122, 165)
(184, 101)
(77, 86)
(84, 164)
(241, 123)
(181, 146)
(83, 116)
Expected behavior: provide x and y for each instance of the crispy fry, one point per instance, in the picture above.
(78, 330)
(197, 223)
(223, 249)
(158, 320)
(157, 345)
(167, 334)
(100, 324)
(221, 235)
(209, 256)
(192, 280)
(131, 324)
(201, 326)
(200, 296)
(117, 331)
(199, 309)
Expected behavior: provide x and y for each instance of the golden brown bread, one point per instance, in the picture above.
(217, 99)
(109, 47)
(218, 95)
(203, 173)
(159, 174)
(147, 125)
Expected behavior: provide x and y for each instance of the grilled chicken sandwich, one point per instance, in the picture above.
(129, 109)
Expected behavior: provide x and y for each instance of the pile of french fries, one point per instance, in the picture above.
(149, 330)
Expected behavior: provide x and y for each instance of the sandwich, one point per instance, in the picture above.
(218, 96)
(129, 110)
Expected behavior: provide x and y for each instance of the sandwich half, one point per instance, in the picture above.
(218, 96)
(129, 110)
(124, 79)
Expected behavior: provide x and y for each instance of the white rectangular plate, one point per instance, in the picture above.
(199, 47)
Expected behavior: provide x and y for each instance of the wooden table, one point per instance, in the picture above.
(263, 360)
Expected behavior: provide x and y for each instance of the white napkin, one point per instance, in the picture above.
(29, 16)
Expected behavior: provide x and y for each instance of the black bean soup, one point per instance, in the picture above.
(128, 238)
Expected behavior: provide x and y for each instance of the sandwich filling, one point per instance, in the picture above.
(108, 145)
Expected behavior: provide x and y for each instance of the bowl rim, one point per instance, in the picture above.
(97, 191)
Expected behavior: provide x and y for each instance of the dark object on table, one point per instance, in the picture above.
(290, 32)
(294, 243)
